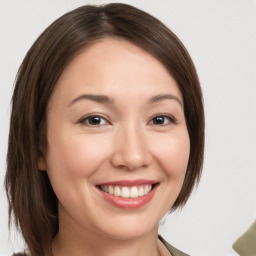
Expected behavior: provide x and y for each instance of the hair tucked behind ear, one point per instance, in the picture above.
(31, 199)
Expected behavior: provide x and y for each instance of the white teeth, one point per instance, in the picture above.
(111, 190)
(127, 192)
(147, 189)
(117, 191)
(134, 193)
(141, 191)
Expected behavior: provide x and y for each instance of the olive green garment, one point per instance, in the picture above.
(246, 244)
(171, 249)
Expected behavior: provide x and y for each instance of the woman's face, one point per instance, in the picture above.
(118, 144)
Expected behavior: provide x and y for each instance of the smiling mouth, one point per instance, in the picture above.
(128, 194)
(127, 191)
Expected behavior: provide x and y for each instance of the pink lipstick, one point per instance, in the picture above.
(128, 194)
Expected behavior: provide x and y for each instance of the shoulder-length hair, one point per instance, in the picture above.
(32, 200)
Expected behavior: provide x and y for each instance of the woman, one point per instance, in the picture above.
(106, 134)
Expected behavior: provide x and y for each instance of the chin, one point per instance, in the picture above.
(131, 227)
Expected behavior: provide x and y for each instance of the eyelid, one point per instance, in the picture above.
(82, 120)
(172, 119)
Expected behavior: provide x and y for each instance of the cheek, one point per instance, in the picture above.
(71, 161)
(74, 156)
(173, 154)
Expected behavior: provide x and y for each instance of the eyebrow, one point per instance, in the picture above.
(162, 97)
(92, 97)
(106, 99)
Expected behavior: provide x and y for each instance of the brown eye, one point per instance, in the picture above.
(94, 120)
(162, 120)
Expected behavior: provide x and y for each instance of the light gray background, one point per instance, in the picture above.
(221, 38)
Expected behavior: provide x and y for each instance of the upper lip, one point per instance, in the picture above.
(129, 182)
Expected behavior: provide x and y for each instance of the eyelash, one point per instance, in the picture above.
(85, 120)
(171, 119)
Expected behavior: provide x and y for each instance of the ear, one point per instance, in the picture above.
(41, 163)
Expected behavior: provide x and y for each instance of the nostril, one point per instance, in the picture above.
(130, 162)
(130, 151)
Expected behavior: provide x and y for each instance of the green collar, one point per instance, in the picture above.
(171, 249)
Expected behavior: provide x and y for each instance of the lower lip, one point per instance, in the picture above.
(129, 203)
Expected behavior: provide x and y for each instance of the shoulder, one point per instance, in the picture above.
(174, 251)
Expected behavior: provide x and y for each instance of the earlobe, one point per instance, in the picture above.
(41, 164)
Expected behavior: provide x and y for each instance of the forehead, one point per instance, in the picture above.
(115, 65)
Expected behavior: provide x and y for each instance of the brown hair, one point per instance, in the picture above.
(31, 198)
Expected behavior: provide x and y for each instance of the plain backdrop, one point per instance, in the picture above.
(221, 38)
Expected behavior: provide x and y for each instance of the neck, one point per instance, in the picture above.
(67, 242)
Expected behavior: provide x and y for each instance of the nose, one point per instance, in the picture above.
(130, 149)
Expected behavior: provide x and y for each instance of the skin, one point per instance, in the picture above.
(126, 145)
